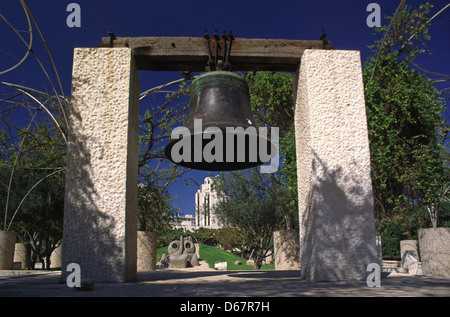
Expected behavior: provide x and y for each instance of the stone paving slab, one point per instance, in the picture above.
(212, 283)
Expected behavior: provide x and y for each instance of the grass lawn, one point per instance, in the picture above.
(212, 254)
(160, 252)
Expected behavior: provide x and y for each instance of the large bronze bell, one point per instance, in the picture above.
(227, 138)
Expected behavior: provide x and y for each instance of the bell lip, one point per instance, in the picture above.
(220, 166)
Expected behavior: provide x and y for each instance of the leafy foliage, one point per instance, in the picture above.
(271, 99)
(205, 236)
(272, 103)
(32, 188)
(405, 122)
(155, 210)
(158, 122)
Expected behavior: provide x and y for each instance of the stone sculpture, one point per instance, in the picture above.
(181, 254)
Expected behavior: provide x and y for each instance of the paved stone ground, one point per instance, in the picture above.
(204, 282)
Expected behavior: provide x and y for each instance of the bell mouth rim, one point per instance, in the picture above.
(224, 165)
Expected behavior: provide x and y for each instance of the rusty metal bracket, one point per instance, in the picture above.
(220, 44)
(227, 64)
(211, 62)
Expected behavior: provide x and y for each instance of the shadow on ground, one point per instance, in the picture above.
(183, 283)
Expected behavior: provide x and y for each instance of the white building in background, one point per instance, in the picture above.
(205, 199)
(186, 222)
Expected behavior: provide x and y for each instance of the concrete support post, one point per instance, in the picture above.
(337, 230)
(7, 245)
(286, 249)
(22, 256)
(434, 246)
(100, 213)
(146, 250)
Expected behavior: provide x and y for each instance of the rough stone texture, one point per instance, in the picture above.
(410, 256)
(337, 230)
(7, 245)
(146, 251)
(22, 255)
(435, 251)
(287, 250)
(100, 224)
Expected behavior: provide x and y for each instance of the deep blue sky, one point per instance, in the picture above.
(344, 22)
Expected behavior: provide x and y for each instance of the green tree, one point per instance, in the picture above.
(205, 236)
(155, 210)
(32, 189)
(405, 122)
(272, 103)
(231, 238)
(271, 99)
(255, 204)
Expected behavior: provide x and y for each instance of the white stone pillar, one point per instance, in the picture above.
(337, 230)
(100, 212)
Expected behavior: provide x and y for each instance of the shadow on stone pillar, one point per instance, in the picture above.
(100, 209)
(337, 227)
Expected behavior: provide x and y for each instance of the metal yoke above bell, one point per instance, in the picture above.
(221, 100)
